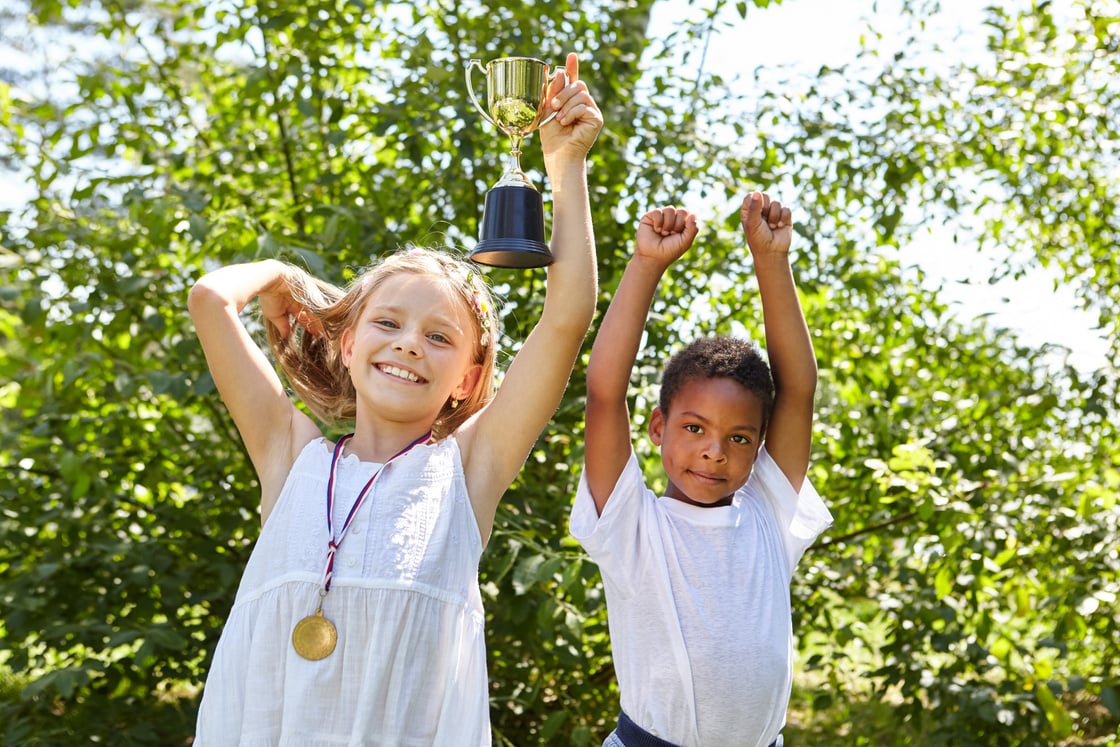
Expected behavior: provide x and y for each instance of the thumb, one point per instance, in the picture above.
(751, 213)
(283, 325)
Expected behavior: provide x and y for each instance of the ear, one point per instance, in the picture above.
(656, 426)
(468, 383)
(346, 347)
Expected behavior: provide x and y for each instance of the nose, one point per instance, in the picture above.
(408, 342)
(713, 451)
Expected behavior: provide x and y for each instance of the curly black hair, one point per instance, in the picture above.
(716, 358)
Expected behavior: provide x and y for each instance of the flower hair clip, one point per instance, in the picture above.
(480, 303)
(482, 311)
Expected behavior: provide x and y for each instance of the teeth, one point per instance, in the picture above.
(400, 373)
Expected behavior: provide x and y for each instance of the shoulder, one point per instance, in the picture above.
(801, 513)
(623, 506)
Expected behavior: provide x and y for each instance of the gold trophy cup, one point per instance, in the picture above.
(512, 229)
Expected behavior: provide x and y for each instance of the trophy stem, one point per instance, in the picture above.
(514, 176)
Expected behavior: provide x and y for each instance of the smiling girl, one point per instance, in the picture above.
(359, 619)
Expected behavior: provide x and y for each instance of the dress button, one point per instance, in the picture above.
(356, 530)
(350, 562)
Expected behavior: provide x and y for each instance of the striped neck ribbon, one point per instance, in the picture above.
(335, 542)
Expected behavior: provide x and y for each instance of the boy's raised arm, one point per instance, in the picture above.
(663, 236)
(789, 347)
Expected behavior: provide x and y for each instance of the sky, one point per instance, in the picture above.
(806, 34)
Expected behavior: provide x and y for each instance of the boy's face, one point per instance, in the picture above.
(709, 440)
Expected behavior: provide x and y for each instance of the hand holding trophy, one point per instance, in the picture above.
(512, 229)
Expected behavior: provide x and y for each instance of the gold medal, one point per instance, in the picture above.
(314, 637)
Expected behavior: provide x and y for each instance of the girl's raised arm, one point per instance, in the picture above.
(496, 442)
(273, 429)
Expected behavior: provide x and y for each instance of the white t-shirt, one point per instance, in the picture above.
(698, 602)
(409, 669)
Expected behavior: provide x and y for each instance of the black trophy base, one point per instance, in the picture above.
(512, 230)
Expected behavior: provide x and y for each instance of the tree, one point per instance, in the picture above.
(981, 553)
(178, 136)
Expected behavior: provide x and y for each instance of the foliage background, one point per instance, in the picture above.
(967, 594)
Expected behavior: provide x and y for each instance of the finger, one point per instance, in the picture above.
(300, 316)
(555, 88)
(309, 322)
(656, 220)
(571, 112)
(571, 77)
(775, 214)
(691, 228)
(669, 223)
(574, 103)
(283, 324)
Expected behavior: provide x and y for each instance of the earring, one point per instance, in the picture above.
(454, 403)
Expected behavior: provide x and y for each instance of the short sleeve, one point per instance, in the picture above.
(801, 514)
(613, 539)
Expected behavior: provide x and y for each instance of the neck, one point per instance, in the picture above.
(382, 443)
(677, 494)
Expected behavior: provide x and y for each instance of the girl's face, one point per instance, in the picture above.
(412, 349)
(709, 440)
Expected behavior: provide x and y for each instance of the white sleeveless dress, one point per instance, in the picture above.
(409, 669)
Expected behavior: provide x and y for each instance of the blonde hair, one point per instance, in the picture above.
(313, 363)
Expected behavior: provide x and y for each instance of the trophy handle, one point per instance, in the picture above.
(470, 90)
(548, 85)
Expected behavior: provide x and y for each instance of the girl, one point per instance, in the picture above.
(359, 619)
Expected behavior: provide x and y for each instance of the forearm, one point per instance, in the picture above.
(573, 276)
(789, 346)
(234, 286)
(620, 333)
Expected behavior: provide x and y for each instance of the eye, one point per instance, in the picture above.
(386, 323)
(440, 338)
(693, 428)
(741, 440)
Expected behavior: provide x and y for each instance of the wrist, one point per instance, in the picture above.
(767, 260)
(647, 265)
(560, 166)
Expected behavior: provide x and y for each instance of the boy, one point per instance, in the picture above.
(697, 582)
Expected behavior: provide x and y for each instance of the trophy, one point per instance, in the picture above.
(512, 229)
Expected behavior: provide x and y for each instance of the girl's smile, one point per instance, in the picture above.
(401, 373)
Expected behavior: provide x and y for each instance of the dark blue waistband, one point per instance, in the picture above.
(633, 735)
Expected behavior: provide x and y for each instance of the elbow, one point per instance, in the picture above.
(571, 319)
(801, 386)
(204, 297)
(806, 383)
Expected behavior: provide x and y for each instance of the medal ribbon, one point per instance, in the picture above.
(334, 542)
